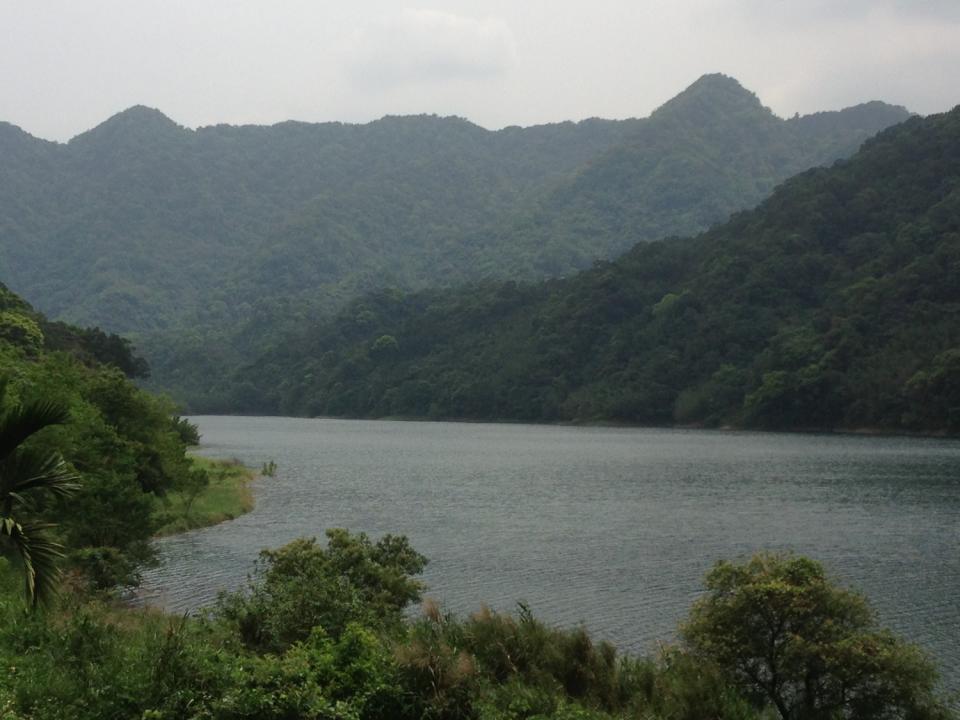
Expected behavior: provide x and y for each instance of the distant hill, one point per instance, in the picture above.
(203, 244)
(139, 223)
(834, 304)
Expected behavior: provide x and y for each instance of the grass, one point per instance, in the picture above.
(227, 496)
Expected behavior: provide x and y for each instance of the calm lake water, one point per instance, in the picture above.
(612, 527)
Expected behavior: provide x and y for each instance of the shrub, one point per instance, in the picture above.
(302, 586)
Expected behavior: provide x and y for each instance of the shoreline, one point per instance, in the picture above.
(861, 431)
(227, 496)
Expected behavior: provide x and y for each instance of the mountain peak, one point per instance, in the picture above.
(711, 82)
(10, 130)
(11, 135)
(143, 113)
(712, 95)
(138, 121)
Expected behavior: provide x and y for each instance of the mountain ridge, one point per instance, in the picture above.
(706, 84)
(831, 305)
(145, 227)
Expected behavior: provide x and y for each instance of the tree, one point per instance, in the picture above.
(786, 636)
(304, 585)
(21, 330)
(27, 477)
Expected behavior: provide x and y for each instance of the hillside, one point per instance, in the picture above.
(712, 150)
(203, 244)
(834, 304)
(140, 224)
(124, 448)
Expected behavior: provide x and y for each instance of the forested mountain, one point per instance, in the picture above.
(139, 222)
(834, 304)
(712, 150)
(200, 244)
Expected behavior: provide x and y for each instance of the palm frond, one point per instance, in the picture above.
(38, 554)
(27, 471)
(25, 420)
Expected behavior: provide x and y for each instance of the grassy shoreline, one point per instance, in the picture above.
(228, 496)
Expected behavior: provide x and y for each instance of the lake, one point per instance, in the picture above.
(613, 527)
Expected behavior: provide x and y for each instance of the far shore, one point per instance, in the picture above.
(860, 431)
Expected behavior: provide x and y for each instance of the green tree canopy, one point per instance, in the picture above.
(789, 637)
(304, 585)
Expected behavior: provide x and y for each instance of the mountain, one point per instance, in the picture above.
(204, 244)
(146, 223)
(712, 150)
(834, 304)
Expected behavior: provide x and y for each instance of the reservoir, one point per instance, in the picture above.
(611, 527)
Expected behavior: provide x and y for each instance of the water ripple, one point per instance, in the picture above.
(611, 527)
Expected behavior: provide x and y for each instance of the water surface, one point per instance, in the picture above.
(613, 527)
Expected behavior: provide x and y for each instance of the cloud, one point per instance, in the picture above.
(819, 10)
(862, 51)
(425, 46)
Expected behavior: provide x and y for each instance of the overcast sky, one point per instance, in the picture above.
(67, 65)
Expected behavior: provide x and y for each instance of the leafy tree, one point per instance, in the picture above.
(786, 635)
(189, 432)
(27, 477)
(93, 346)
(19, 329)
(935, 392)
(303, 585)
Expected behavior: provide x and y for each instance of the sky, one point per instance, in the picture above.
(66, 66)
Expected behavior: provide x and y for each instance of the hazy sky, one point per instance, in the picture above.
(66, 65)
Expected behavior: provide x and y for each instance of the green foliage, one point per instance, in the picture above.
(20, 330)
(189, 433)
(788, 637)
(212, 492)
(29, 479)
(934, 392)
(23, 328)
(303, 586)
(384, 346)
(95, 347)
(110, 523)
(119, 441)
(832, 305)
(87, 660)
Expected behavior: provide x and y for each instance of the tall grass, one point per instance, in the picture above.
(227, 496)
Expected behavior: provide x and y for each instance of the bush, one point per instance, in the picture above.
(303, 586)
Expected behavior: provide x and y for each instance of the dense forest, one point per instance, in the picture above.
(832, 305)
(70, 392)
(204, 245)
